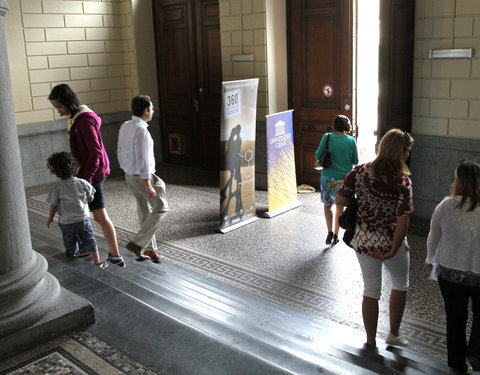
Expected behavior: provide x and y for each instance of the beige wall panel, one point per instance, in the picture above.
(247, 38)
(34, 35)
(43, 20)
(439, 8)
(16, 58)
(111, 58)
(235, 7)
(86, 47)
(117, 46)
(49, 75)
(108, 83)
(41, 103)
(244, 69)
(104, 34)
(83, 21)
(80, 86)
(436, 88)
(118, 70)
(40, 89)
(430, 126)
(30, 6)
(67, 61)
(112, 107)
(224, 9)
(99, 97)
(101, 7)
(466, 89)
(260, 52)
(467, 7)
(114, 21)
(451, 68)
(474, 109)
(232, 23)
(428, 28)
(464, 129)
(449, 108)
(64, 34)
(121, 95)
(32, 117)
(38, 62)
(46, 48)
(443, 27)
(62, 7)
(463, 26)
(88, 72)
(421, 107)
(254, 21)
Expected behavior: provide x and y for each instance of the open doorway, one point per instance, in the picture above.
(367, 48)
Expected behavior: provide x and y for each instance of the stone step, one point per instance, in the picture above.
(192, 323)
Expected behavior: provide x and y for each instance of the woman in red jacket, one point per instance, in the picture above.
(87, 147)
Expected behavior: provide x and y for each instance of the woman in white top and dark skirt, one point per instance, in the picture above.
(453, 245)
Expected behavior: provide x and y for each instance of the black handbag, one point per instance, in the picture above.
(325, 161)
(348, 220)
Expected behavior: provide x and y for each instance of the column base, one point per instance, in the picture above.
(70, 312)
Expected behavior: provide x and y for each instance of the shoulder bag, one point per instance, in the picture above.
(324, 161)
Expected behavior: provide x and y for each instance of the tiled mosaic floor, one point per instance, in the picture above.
(74, 354)
(282, 259)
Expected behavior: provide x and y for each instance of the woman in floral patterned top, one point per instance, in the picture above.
(384, 195)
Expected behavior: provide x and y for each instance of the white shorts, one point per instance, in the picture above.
(398, 267)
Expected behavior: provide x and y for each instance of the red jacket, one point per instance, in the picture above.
(87, 146)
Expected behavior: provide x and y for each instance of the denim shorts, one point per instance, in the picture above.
(78, 237)
(98, 198)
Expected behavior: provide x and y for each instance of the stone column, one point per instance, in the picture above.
(27, 291)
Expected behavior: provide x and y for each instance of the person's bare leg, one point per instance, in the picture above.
(328, 216)
(101, 217)
(95, 257)
(370, 319)
(338, 213)
(398, 299)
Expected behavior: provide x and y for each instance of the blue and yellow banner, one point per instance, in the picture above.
(281, 178)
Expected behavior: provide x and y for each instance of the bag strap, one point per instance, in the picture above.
(328, 138)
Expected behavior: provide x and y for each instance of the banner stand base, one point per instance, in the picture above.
(283, 209)
(238, 225)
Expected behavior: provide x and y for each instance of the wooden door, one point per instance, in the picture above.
(320, 67)
(209, 62)
(187, 43)
(397, 20)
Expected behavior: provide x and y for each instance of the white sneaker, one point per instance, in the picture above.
(102, 265)
(396, 340)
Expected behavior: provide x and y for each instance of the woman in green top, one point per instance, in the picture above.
(344, 156)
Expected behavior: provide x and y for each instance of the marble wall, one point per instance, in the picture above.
(39, 141)
(433, 162)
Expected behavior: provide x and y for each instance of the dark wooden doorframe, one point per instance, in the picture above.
(395, 76)
(397, 20)
(320, 74)
(189, 71)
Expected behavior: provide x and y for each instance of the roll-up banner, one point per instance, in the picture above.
(281, 178)
(237, 153)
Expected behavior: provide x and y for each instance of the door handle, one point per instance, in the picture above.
(195, 104)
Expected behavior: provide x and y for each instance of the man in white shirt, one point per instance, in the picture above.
(136, 158)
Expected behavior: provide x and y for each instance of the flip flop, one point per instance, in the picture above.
(304, 188)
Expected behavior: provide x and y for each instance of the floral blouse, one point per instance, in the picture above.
(380, 201)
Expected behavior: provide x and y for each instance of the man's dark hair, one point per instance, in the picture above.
(342, 124)
(64, 94)
(63, 165)
(139, 104)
